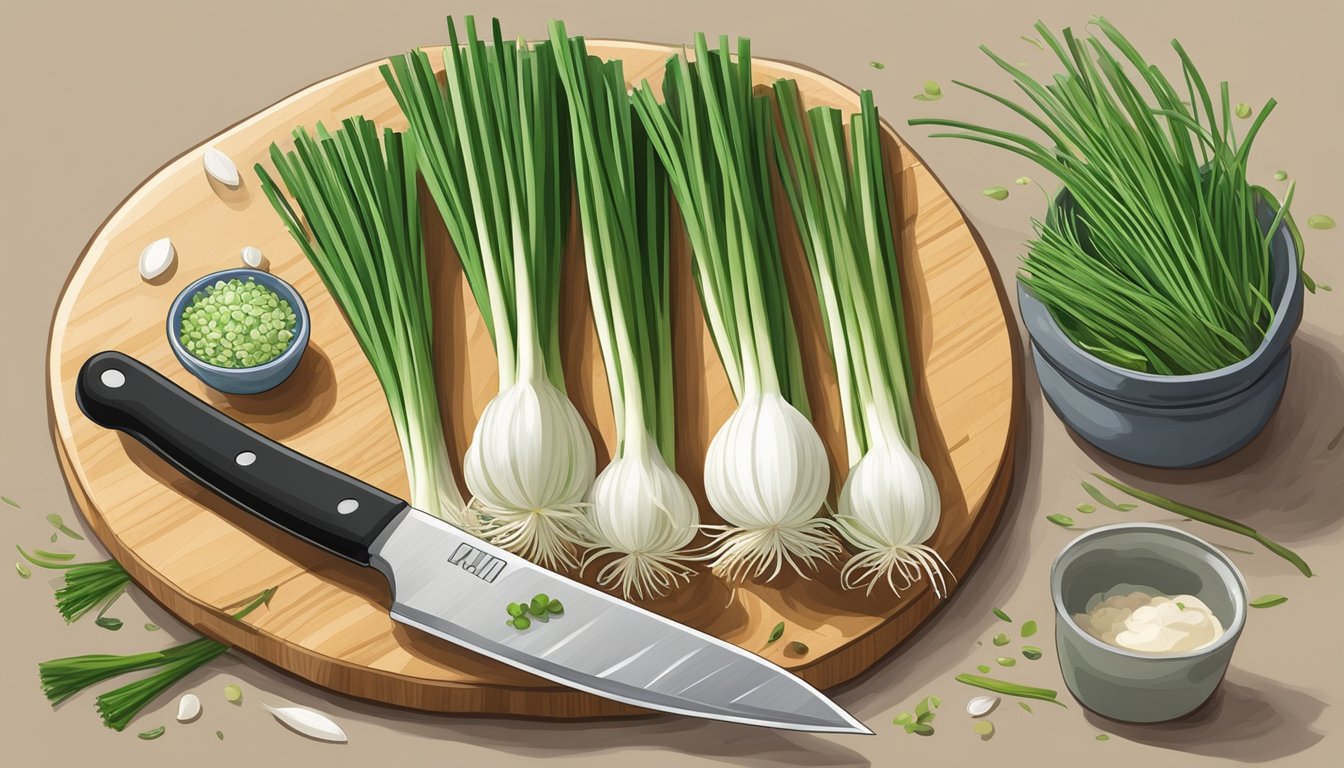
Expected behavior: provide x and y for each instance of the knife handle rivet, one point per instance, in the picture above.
(245, 459)
(346, 506)
(112, 378)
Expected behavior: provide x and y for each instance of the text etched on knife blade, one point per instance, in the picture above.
(477, 563)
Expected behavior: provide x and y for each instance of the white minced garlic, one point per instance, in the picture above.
(220, 167)
(252, 256)
(1148, 623)
(157, 257)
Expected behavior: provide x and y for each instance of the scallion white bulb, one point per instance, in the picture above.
(766, 474)
(890, 506)
(529, 467)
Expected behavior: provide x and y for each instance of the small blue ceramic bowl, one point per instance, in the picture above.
(242, 381)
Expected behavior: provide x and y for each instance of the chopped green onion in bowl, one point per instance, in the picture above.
(237, 324)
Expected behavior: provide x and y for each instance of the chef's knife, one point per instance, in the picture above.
(448, 582)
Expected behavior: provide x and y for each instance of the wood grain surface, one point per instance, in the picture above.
(328, 623)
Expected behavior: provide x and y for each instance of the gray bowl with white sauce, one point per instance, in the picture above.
(1144, 686)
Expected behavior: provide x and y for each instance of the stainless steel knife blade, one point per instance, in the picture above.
(455, 586)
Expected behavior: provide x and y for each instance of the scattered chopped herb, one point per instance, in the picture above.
(1180, 605)
(1334, 442)
(999, 612)
(1104, 500)
(799, 648)
(1025, 706)
(1280, 175)
(1029, 629)
(23, 572)
(1268, 601)
(1039, 45)
(53, 555)
(10, 502)
(86, 584)
(219, 735)
(151, 734)
(521, 622)
(107, 622)
(925, 97)
(1011, 689)
(923, 729)
(53, 538)
(538, 604)
(1324, 287)
(984, 669)
(1064, 521)
(1086, 509)
(1210, 518)
(995, 193)
(1320, 221)
(1033, 653)
(516, 609)
(555, 607)
(151, 627)
(59, 525)
(1022, 181)
(1000, 639)
(776, 633)
(233, 693)
(877, 65)
(1005, 661)
(1103, 737)
(932, 89)
(983, 728)
(1243, 110)
(905, 718)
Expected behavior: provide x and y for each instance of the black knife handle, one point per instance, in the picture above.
(309, 499)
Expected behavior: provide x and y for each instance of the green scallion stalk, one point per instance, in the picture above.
(358, 197)
(642, 511)
(766, 472)
(491, 145)
(889, 504)
(63, 678)
(87, 585)
(1159, 264)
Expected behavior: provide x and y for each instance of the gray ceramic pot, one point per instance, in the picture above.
(1127, 685)
(1170, 421)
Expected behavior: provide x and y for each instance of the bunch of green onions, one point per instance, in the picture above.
(359, 198)
(1159, 263)
(642, 511)
(766, 471)
(492, 149)
(90, 584)
(889, 504)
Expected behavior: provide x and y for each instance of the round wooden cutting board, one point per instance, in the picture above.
(328, 623)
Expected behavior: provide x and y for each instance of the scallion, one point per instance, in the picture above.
(358, 197)
(493, 153)
(642, 511)
(766, 471)
(889, 504)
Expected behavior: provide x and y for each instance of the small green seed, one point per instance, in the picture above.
(1243, 110)
(1031, 652)
(23, 570)
(152, 734)
(1000, 639)
(984, 669)
(776, 633)
(877, 65)
(219, 735)
(1006, 661)
(1268, 601)
(983, 728)
(1022, 181)
(1086, 509)
(1029, 629)
(151, 627)
(1280, 175)
(10, 502)
(108, 623)
(1025, 706)
(932, 88)
(995, 193)
(1064, 521)
(1103, 737)
(1003, 616)
(798, 648)
(1320, 221)
(232, 693)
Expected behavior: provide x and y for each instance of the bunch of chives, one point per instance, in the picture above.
(1159, 264)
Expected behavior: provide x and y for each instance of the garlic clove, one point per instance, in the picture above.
(252, 256)
(308, 722)
(220, 167)
(981, 705)
(188, 708)
(157, 257)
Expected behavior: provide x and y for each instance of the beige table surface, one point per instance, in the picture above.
(97, 97)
